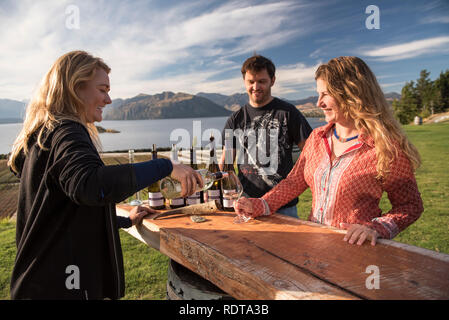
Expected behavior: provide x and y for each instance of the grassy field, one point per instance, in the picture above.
(146, 269)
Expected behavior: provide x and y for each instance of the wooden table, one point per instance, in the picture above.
(279, 257)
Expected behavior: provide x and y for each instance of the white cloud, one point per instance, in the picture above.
(435, 19)
(292, 78)
(392, 84)
(148, 49)
(409, 50)
(289, 79)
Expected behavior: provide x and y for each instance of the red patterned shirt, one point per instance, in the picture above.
(346, 189)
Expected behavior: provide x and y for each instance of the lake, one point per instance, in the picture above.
(142, 134)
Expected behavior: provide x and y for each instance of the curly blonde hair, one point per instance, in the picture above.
(56, 100)
(352, 83)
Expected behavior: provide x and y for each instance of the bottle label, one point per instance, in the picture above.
(177, 201)
(194, 199)
(228, 202)
(213, 195)
(155, 199)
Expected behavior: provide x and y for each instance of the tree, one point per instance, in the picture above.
(441, 92)
(406, 109)
(423, 99)
(424, 94)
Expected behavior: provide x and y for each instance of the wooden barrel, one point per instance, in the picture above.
(183, 284)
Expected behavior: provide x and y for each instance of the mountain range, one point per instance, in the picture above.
(165, 105)
(11, 110)
(168, 105)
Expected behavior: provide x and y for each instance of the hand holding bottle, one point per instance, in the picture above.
(188, 177)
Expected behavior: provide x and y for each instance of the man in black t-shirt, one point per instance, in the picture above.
(264, 131)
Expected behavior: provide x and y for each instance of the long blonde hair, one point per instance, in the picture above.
(351, 82)
(56, 100)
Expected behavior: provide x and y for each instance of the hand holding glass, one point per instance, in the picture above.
(232, 190)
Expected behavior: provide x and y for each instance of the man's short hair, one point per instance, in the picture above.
(257, 63)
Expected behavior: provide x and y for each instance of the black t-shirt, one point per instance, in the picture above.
(263, 139)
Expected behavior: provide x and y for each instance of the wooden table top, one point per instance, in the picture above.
(279, 257)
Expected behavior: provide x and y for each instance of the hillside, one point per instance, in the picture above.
(166, 105)
(232, 102)
(11, 110)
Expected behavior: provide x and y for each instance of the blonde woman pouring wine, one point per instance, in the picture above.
(351, 161)
(66, 219)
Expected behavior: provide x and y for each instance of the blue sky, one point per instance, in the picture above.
(199, 46)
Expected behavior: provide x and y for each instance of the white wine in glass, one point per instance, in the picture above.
(232, 190)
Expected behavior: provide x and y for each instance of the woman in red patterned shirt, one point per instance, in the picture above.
(351, 161)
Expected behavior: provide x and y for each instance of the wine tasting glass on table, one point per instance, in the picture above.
(232, 189)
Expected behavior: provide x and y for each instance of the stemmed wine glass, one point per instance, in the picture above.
(232, 189)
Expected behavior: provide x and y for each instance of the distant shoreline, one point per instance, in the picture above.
(103, 130)
(10, 120)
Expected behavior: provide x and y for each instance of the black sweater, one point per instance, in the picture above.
(66, 219)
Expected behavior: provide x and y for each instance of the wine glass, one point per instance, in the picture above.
(232, 189)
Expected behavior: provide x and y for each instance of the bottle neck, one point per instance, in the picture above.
(192, 157)
(174, 155)
(219, 175)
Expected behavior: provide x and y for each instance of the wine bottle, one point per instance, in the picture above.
(194, 198)
(137, 201)
(176, 202)
(228, 188)
(171, 188)
(214, 192)
(155, 198)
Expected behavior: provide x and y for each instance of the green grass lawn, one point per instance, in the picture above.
(146, 268)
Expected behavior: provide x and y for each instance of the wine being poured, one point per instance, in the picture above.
(171, 188)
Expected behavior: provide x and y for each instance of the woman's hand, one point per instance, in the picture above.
(244, 207)
(249, 207)
(138, 213)
(359, 233)
(188, 177)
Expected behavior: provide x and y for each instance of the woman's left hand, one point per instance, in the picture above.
(138, 213)
(359, 233)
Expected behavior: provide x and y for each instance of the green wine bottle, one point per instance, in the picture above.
(228, 187)
(179, 201)
(171, 188)
(195, 198)
(155, 198)
(214, 192)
